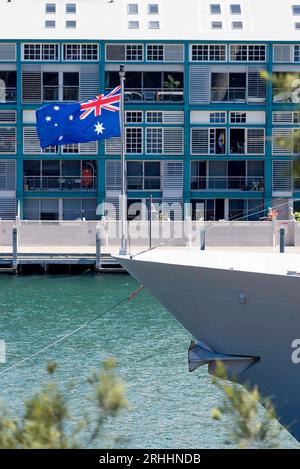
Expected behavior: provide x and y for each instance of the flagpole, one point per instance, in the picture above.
(123, 248)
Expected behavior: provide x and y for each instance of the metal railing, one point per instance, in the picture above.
(8, 94)
(221, 94)
(241, 183)
(154, 95)
(60, 183)
(139, 183)
(56, 93)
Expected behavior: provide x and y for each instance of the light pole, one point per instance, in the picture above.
(123, 248)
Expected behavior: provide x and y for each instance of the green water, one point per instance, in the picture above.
(170, 408)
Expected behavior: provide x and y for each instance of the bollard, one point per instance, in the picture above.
(15, 247)
(98, 249)
(282, 240)
(202, 239)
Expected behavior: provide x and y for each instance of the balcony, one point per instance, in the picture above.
(8, 94)
(57, 93)
(232, 183)
(153, 95)
(143, 183)
(60, 183)
(226, 94)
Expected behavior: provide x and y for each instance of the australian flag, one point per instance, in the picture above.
(96, 119)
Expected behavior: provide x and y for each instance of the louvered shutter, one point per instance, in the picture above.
(173, 141)
(7, 175)
(174, 53)
(113, 146)
(282, 142)
(173, 117)
(199, 84)
(31, 84)
(7, 140)
(7, 208)
(31, 143)
(172, 178)
(255, 141)
(199, 142)
(88, 148)
(283, 117)
(282, 176)
(256, 85)
(113, 175)
(89, 81)
(7, 117)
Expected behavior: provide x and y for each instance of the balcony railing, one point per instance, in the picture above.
(8, 94)
(153, 95)
(140, 183)
(240, 183)
(56, 93)
(60, 183)
(224, 94)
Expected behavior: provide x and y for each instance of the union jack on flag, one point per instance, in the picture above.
(96, 119)
(109, 102)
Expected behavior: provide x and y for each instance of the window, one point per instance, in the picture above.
(217, 117)
(208, 52)
(134, 140)
(133, 24)
(296, 10)
(50, 8)
(237, 25)
(84, 52)
(134, 117)
(235, 9)
(282, 53)
(154, 117)
(247, 141)
(134, 52)
(49, 24)
(154, 140)
(155, 52)
(297, 25)
(70, 24)
(216, 25)
(153, 25)
(248, 53)
(153, 9)
(132, 9)
(228, 87)
(46, 52)
(71, 8)
(143, 175)
(238, 117)
(215, 9)
(126, 52)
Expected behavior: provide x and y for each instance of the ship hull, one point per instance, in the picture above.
(237, 313)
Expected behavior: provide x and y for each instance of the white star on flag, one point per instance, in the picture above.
(55, 125)
(48, 118)
(99, 128)
(60, 137)
(71, 117)
(56, 108)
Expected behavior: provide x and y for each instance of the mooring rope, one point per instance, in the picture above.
(74, 331)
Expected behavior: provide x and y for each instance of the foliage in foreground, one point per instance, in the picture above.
(46, 421)
(246, 423)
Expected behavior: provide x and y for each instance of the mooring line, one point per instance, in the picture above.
(69, 334)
